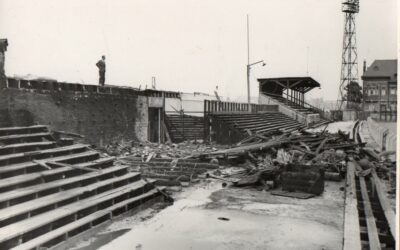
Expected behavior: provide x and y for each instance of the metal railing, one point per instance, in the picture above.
(234, 107)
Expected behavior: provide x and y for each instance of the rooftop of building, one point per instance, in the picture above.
(382, 69)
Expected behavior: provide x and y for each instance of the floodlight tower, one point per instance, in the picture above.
(349, 72)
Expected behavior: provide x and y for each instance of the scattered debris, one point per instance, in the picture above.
(223, 218)
(298, 161)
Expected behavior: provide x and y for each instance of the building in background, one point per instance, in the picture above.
(380, 89)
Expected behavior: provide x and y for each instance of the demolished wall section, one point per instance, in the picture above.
(101, 118)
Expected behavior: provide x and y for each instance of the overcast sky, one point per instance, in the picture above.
(191, 45)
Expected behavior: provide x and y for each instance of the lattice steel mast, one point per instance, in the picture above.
(349, 72)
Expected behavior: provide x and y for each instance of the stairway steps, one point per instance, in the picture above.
(51, 175)
(62, 233)
(266, 125)
(23, 130)
(245, 118)
(32, 155)
(20, 195)
(43, 204)
(25, 147)
(255, 124)
(281, 128)
(37, 225)
(20, 138)
(30, 167)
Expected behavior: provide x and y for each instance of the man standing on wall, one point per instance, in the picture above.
(101, 64)
(3, 48)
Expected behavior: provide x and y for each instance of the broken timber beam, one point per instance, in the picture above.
(58, 164)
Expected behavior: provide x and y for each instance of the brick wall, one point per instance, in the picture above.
(101, 116)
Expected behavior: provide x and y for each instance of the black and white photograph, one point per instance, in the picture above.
(199, 125)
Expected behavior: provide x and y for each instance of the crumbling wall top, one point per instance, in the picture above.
(3, 45)
(46, 86)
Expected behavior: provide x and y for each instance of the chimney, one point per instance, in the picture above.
(365, 66)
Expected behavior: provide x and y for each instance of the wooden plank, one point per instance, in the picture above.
(68, 133)
(51, 199)
(27, 225)
(248, 148)
(373, 237)
(39, 241)
(321, 145)
(351, 234)
(58, 164)
(387, 209)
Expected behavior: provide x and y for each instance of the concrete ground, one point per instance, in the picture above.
(208, 216)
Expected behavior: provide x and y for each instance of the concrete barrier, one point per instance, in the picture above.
(385, 138)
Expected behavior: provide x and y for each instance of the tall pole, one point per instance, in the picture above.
(248, 64)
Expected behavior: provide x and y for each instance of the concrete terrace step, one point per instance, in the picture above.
(51, 175)
(25, 147)
(23, 130)
(20, 138)
(17, 196)
(39, 202)
(28, 229)
(65, 232)
(28, 156)
(245, 118)
(285, 127)
(256, 123)
(252, 117)
(264, 123)
(267, 124)
(33, 207)
(30, 167)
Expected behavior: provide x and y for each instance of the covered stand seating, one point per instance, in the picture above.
(290, 91)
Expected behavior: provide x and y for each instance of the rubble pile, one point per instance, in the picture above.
(170, 172)
(299, 161)
(144, 150)
(169, 164)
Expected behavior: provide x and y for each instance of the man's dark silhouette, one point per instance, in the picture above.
(3, 48)
(101, 64)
